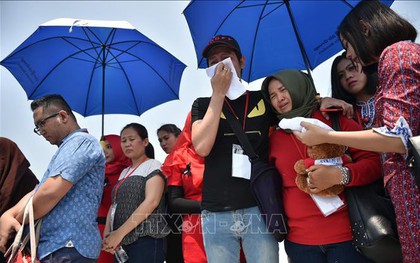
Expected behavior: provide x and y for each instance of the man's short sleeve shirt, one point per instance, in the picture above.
(72, 222)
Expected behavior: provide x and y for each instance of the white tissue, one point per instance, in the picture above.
(294, 124)
(236, 88)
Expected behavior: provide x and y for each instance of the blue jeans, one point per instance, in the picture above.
(343, 252)
(146, 250)
(224, 231)
(66, 255)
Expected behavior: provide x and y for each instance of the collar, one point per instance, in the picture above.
(70, 134)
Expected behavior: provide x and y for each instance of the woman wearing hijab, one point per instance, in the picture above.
(313, 237)
(16, 179)
(116, 161)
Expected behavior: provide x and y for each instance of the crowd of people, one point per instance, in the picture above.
(109, 200)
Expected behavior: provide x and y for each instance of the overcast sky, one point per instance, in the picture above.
(161, 21)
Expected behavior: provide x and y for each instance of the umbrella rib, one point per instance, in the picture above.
(167, 84)
(90, 83)
(98, 58)
(298, 38)
(83, 50)
(222, 22)
(85, 29)
(45, 39)
(279, 5)
(138, 58)
(128, 81)
(271, 3)
(52, 70)
(114, 57)
(257, 29)
(254, 42)
(348, 4)
(108, 43)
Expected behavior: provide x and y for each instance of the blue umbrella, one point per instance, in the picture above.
(273, 34)
(99, 67)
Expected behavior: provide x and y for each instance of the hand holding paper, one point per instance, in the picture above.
(236, 88)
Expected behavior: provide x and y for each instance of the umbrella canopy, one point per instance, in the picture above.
(99, 67)
(273, 34)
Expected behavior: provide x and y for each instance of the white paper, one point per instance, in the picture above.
(327, 205)
(236, 88)
(241, 166)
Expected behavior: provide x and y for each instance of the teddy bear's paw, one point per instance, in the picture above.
(302, 183)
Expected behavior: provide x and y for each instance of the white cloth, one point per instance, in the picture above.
(294, 124)
(236, 88)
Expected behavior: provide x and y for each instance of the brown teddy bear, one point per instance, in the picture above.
(327, 154)
(320, 154)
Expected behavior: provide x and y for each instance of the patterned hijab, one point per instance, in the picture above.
(120, 160)
(301, 89)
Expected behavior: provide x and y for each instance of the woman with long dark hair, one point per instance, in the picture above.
(373, 33)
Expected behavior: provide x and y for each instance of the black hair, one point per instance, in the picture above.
(237, 53)
(170, 128)
(150, 151)
(385, 28)
(337, 89)
(140, 129)
(51, 103)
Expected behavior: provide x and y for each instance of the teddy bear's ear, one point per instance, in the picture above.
(300, 167)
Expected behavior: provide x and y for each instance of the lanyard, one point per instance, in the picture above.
(245, 111)
(127, 174)
(303, 156)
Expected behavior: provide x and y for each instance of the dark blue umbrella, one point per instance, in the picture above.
(99, 67)
(273, 35)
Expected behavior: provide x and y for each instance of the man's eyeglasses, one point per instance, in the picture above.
(40, 124)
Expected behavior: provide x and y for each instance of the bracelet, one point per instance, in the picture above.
(345, 175)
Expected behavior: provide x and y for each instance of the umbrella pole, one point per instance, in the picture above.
(103, 88)
(302, 49)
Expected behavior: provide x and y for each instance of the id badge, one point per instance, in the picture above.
(241, 166)
(111, 216)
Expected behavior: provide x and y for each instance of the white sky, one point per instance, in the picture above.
(161, 21)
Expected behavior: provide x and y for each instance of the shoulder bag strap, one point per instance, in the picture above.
(239, 132)
(33, 236)
(17, 243)
(335, 122)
